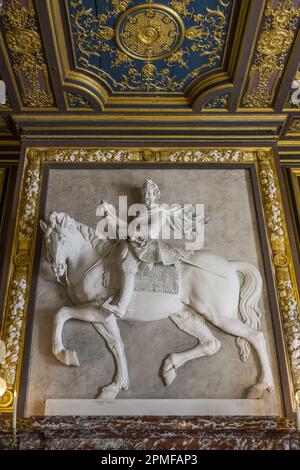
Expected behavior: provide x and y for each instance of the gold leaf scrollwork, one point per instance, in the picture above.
(217, 102)
(18, 293)
(286, 286)
(182, 7)
(77, 101)
(23, 41)
(277, 36)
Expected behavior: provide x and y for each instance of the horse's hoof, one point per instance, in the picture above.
(68, 357)
(110, 391)
(168, 372)
(258, 391)
(126, 385)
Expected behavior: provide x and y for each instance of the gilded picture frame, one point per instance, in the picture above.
(261, 160)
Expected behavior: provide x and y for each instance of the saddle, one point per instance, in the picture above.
(159, 279)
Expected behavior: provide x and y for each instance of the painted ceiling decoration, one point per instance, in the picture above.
(121, 61)
(142, 46)
(20, 29)
(280, 24)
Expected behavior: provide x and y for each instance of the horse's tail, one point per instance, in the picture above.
(251, 288)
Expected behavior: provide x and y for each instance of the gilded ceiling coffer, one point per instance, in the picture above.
(119, 41)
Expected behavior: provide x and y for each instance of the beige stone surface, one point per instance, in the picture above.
(232, 232)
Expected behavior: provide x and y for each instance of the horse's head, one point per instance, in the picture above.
(59, 243)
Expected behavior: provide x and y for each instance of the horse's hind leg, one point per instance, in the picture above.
(256, 338)
(190, 322)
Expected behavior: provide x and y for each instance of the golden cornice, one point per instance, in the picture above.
(63, 117)
(187, 138)
(289, 143)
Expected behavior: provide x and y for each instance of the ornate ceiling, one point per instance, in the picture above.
(142, 46)
(209, 69)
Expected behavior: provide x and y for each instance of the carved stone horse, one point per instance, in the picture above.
(209, 290)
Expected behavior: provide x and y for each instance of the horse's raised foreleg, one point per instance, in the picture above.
(88, 312)
(256, 338)
(111, 333)
(190, 322)
(65, 356)
(106, 324)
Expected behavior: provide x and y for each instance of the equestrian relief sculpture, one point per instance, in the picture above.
(143, 276)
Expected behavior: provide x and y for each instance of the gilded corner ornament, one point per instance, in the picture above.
(22, 38)
(77, 101)
(294, 127)
(217, 102)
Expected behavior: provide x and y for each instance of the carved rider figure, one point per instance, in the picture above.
(145, 245)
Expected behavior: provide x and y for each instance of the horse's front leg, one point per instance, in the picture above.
(106, 324)
(109, 329)
(65, 356)
(87, 312)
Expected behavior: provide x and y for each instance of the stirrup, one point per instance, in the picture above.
(119, 312)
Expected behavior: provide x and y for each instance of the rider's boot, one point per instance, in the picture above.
(119, 304)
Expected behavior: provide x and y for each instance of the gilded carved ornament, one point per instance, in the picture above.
(294, 127)
(277, 36)
(77, 101)
(22, 38)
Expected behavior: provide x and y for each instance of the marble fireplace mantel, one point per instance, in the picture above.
(145, 433)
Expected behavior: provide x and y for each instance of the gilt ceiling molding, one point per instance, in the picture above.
(278, 33)
(24, 48)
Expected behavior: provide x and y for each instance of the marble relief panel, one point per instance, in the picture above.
(232, 232)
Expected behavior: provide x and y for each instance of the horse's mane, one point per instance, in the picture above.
(64, 222)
